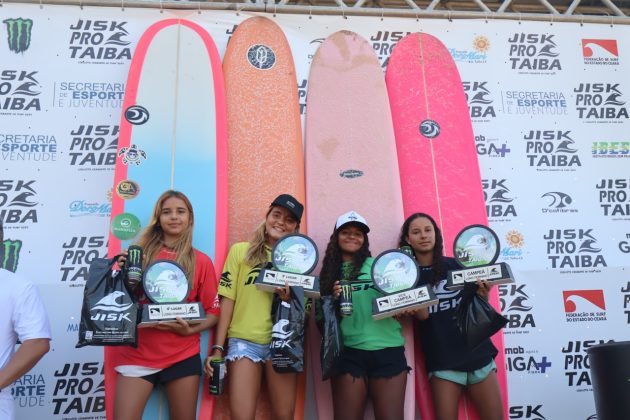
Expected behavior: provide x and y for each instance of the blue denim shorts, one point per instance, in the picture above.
(238, 348)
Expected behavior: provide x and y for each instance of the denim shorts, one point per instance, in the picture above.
(465, 378)
(238, 348)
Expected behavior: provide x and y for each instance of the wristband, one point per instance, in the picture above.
(218, 347)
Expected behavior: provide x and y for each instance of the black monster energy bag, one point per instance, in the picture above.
(332, 341)
(287, 335)
(476, 318)
(110, 314)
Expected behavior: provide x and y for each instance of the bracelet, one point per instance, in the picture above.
(218, 347)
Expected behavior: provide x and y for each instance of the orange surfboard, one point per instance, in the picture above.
(265, 155)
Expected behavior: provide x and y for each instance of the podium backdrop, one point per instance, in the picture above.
(549, 109)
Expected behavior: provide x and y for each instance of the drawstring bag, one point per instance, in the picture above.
(332, 342)
(287, 335)
(476, 318)
(110, 314)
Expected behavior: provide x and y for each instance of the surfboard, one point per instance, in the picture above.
(265, 154)
(351, 163)
(173, 135)
(439, 171)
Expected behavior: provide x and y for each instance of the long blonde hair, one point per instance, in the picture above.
(152, 237)
(257, 252)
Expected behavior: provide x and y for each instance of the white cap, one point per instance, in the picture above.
(352, 217)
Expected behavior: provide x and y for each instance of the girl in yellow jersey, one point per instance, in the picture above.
(246, 318)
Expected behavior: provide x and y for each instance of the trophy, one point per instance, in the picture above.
(476, 249)
(166, 286)
(293, 257)
(395, 274)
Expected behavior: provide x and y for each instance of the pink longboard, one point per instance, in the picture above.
(439, 172)
(351, 163)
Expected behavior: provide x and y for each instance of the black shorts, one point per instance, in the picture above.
(384, 363)
(181, 369)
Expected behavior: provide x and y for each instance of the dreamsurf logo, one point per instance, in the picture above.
(137, 115)
(18, 34)
(534, 54)
(600, 52)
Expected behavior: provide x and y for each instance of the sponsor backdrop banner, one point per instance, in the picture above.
(549, 108)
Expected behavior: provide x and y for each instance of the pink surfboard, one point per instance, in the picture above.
(351, 164)
(173, 135)
(439, 171)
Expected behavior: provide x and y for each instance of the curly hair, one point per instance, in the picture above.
(438, 249)
(331, 267)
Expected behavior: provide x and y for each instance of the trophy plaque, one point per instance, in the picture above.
(166, 286)
(476, 249)
(293, 258)
(395, 274)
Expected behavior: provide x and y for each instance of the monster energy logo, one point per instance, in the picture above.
(9, 254)
(19, 34)
(261, 56)
(135, 256)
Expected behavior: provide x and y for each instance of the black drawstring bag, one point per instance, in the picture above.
(110, 314)
(476, 318)
(332, 341)
(287, 335)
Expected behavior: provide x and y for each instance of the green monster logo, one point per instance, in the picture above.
(19, 34)
(10, 254)
(135, 256)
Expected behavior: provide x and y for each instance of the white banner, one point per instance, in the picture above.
(549, 109)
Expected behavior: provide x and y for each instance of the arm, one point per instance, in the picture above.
(27, 356)
(227, 309)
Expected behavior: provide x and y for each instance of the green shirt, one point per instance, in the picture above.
(360, 330)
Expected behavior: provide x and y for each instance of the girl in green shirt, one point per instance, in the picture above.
(373, 361)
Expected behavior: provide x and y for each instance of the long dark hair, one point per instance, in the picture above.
(331, 267)
(438, 249)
